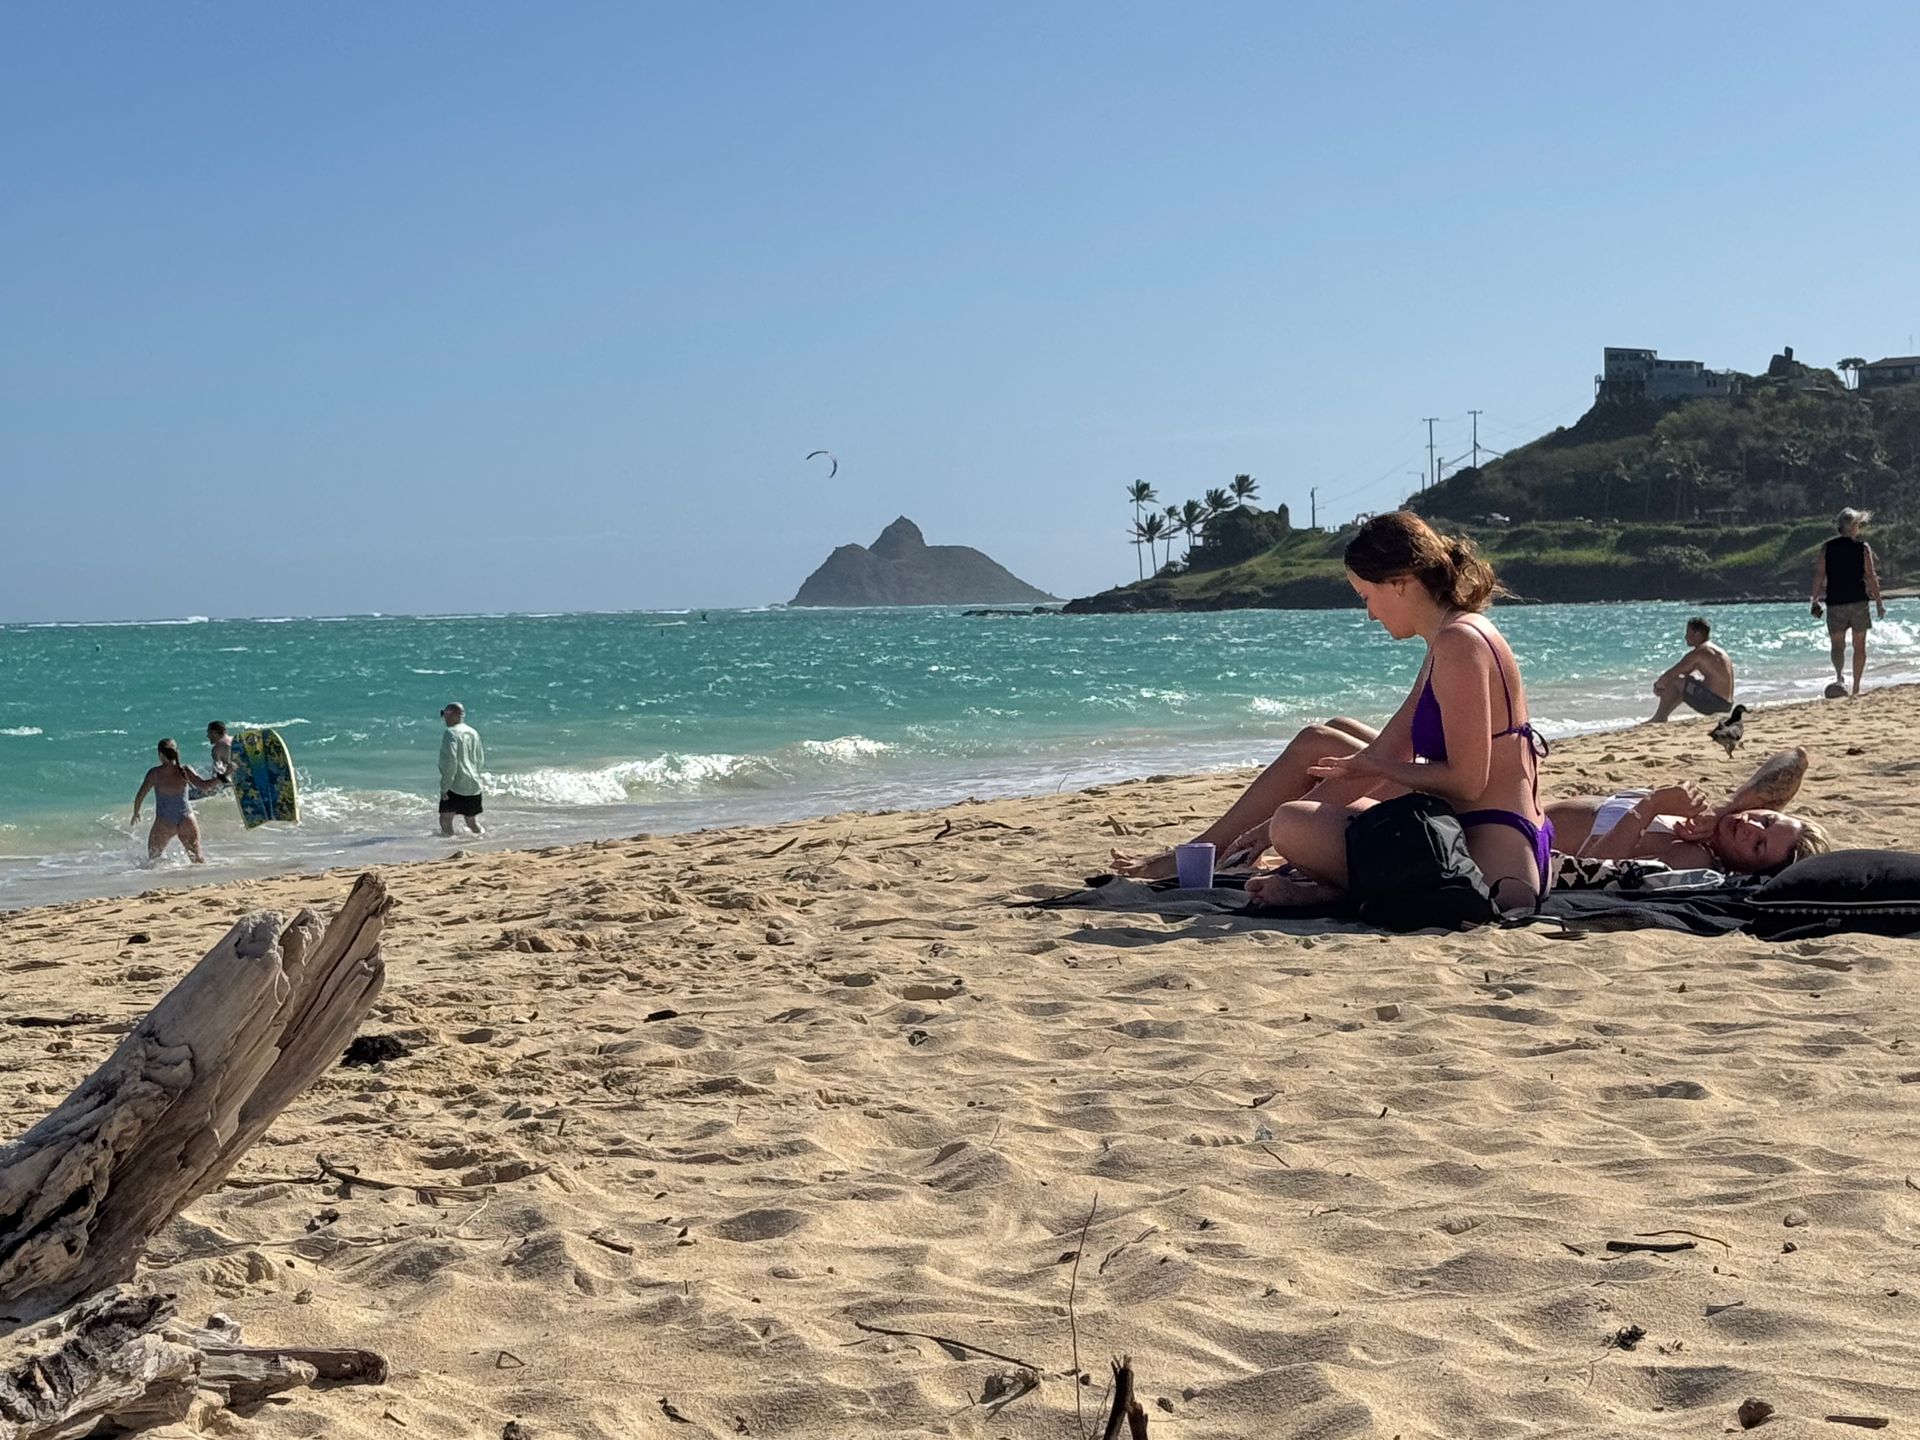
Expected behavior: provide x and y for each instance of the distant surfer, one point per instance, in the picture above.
(461, 760)
(1701, 679)
(1846, 575)
(170, 782)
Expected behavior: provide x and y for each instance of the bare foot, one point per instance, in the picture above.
(1289, 888)
(1158, 866)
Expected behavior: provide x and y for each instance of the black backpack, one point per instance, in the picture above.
(1409, 867)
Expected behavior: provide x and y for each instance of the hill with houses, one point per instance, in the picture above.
(1679, 483)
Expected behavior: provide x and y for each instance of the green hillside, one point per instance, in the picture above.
(1794, 444)
(1545, 561)
(1710, 499)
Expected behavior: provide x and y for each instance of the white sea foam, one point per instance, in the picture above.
(846, 747)
(331, 803)
(679, 772)
(418, 671)
(23, 730)
(627, 780)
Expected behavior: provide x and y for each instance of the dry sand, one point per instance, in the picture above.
(1347, 1185)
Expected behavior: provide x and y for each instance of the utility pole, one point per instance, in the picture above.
(1476, 437)
(1431, 420)
(1313, 508)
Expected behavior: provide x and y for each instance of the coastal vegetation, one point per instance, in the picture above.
(1197, 520)
(1704, 499)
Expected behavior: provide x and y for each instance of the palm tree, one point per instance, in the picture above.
(1150, 530)
(1140, 493)
(1853, 365)
(1244, 488)
(1623, 476)
(1218, 502)
(1175, 522)
(1193, 520)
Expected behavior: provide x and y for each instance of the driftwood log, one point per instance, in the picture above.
(262, 1016)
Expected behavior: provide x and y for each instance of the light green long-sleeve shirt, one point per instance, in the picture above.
(461, 760)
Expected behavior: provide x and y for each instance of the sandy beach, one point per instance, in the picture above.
(708, 1104)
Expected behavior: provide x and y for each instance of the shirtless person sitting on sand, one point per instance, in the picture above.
(1702, 679)
(1746, 833)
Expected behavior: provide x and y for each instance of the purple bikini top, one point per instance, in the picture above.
(1430, 732)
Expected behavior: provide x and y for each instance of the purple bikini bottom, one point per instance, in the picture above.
(1540, 835)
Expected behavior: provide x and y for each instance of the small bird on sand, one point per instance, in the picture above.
(1730, 731)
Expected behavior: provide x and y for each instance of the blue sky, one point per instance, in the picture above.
(316, 309)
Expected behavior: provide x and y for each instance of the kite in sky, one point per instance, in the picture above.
(829, 454)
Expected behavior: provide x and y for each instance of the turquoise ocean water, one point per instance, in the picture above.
(601, 725)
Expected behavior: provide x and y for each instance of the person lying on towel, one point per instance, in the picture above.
(1748, 833)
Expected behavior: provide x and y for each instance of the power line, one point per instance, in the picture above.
(1366, 485)
(1431, 420)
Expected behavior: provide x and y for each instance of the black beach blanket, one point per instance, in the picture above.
(1720, 911)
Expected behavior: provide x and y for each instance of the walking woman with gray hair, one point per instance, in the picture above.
(1845, 573)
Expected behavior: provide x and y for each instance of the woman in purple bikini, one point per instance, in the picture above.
(1462, 734)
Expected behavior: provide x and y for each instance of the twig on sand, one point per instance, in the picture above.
(1657, 1247)
(949, 828)
(1000, 1391)
(1125, 1406)
(1073, 1320)
(811, 873)
(432, 1194)
(1126, 1245)
(262, 1182)
(945, 1342)
(1695, 1234)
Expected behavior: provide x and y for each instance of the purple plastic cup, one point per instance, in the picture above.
(1194, 863)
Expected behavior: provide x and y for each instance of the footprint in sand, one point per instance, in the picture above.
(948, 990)
(752, 1225)
(1670, 1090)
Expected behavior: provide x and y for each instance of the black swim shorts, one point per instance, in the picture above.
(452, 804)
(1699, 696)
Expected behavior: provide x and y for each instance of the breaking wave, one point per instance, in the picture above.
(681, 773)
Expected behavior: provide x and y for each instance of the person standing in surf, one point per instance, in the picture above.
(461, 761)
(220, 752)
(171, 782)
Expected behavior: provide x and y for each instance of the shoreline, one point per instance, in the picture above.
(972, 710)
(1798, 715)
(720, 1096)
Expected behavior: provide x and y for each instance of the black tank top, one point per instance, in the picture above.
(1846, 571)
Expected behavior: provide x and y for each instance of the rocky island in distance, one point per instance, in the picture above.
(900, 568)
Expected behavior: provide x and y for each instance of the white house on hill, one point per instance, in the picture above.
(1641, 374)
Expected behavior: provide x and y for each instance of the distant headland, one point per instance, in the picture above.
(900, 568)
